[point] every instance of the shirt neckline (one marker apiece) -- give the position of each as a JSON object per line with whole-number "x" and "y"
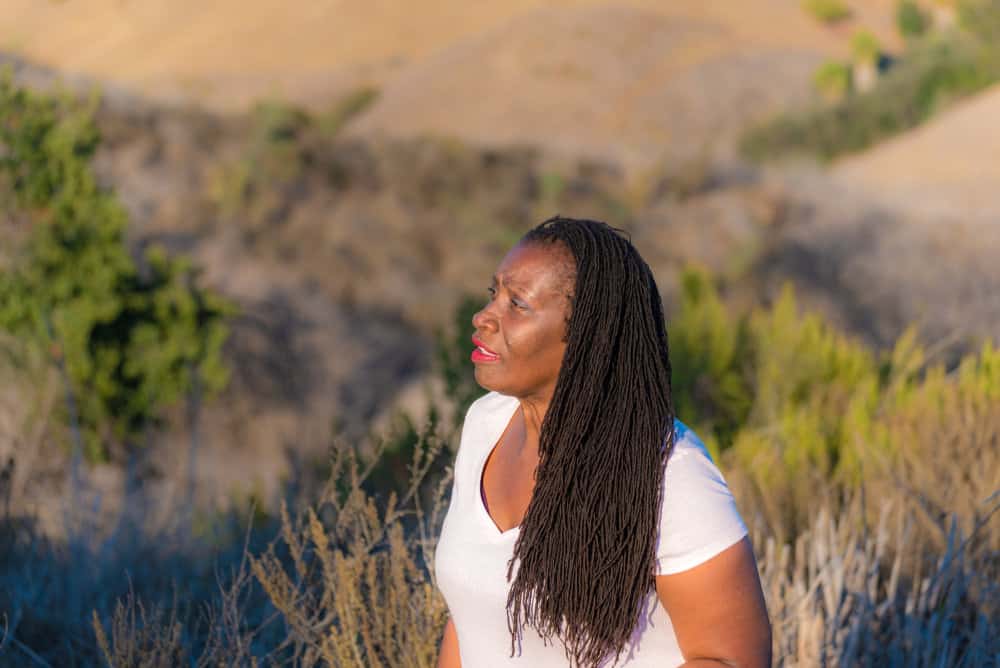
{"x": 504, "y": 419}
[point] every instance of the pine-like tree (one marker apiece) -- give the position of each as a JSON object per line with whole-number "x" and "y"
{"x": 129, "y": 342}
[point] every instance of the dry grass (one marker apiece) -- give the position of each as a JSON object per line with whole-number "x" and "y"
{"x": 356, "y": 590}
{"x": 840, "y": 596}
{"x": 866, "y": 584}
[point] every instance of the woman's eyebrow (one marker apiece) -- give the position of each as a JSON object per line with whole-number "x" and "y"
{"x": 503, "y": 280}
{"x": 506, "y": 281}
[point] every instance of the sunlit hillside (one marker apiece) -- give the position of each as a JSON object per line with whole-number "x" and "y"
{"x": 950, "y": 166}
{"x": 628, "y": 80}
{"x": 192, "y": 47}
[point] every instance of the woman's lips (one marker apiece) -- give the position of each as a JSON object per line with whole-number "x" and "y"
{"x": 481, "y": 353}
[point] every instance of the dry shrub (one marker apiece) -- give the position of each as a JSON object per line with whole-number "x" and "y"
{"x": 944, "y": 459}
{"x": 839, "y": 596}
{"x": 899, "y": 565}
{"x": 357, "y": 588}
{"x": 347, "y": 582}
{"x": 866, "y": 583}
{"x": 139, "y": 638}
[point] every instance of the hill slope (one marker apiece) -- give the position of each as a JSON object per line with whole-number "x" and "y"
{"x": 190, "y": 43}
{"x": 634, "y": 81}
{"x": 950, "y": 166}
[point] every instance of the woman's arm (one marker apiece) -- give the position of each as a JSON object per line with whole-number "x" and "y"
{"x": 448, "y": 657}
{"x": 718, "y": 612}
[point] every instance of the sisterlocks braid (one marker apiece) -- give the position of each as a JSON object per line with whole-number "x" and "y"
{"x": 584, "y": 559}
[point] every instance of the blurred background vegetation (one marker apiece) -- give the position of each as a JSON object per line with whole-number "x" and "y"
{"x": 236, "y": 292}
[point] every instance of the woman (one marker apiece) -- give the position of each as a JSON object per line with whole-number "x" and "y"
{"x": 586, "y": 525}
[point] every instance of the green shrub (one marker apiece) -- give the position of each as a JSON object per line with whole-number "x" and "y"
{"x": 272, "y": 158}
{"x": 802, "y": 413}
{"x": 277, "y": 121}
{"x": 865, "y": 47}
{"x": 833, "y": 80}
{"x": 128, "y": 340}
{"x": 282, "y": 148}
{"x": 827, "y": 11}
{"x": 911, "y": 21}
{"x": 709, "y": 353}
{"x": 345, "y": 109}
{"x": 931, "y": 74}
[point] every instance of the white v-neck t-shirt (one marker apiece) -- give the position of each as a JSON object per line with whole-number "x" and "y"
{"x": 698, "y": 520}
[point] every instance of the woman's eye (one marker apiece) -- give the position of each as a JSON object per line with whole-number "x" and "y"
{"x": 492, "y": 292}
{"x": 517, "y": 303}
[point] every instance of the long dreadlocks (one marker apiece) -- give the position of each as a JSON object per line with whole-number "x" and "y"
{"x": 585, "y": 553}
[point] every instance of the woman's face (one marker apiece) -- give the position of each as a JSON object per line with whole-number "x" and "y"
{"x": 520, "y": 333}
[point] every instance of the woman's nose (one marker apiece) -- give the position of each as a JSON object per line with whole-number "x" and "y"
{"x": 482, "y": 318}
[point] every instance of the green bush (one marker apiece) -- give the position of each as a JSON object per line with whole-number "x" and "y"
{"x": 799, "y": 410}
{"x": 911, "y": 21}
{"x": 276, "y": 121}
{"x": 709, "y": 353}
{"x": 865, "y": 47}
{"x": 345, "y": 109}
{"x": 827, "y": 11}
{"x": 931, "y": 74}
{"x": 128, "y": 340}
{"x": 833, "y": 80}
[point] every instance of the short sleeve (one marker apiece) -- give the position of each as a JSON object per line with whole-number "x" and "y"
{"x": 698, "y": 518}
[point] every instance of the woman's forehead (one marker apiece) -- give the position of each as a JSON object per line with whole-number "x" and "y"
{"x": 533, "y": 264}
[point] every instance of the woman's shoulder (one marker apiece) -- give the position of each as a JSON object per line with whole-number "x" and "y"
{"x": 698, "y": 516}
{"x": 489, "y": 405}
{"x": 687, "y": 441}
{"x": 487, "y": 414}
{"x": 483, "y": 424}
{"x": 690, "y": 462}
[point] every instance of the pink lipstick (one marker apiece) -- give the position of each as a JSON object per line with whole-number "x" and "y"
{"x": 481, "y": 353}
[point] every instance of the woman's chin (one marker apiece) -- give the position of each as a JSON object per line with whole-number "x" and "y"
{"x": 487, "y": 380}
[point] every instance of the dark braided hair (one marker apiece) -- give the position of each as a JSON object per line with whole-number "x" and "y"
{"x": 585, "y": 554}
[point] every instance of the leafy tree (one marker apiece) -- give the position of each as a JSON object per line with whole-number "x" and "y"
{"x": 130, "y": 340}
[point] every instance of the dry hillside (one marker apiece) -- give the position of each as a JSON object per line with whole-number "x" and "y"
{"x": 194, "y": 48}
{"x": 634, "y": 80}
{"x": 949, "y": 167}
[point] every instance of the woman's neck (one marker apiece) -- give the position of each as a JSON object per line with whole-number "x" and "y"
{"x": 533, "y": 414}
